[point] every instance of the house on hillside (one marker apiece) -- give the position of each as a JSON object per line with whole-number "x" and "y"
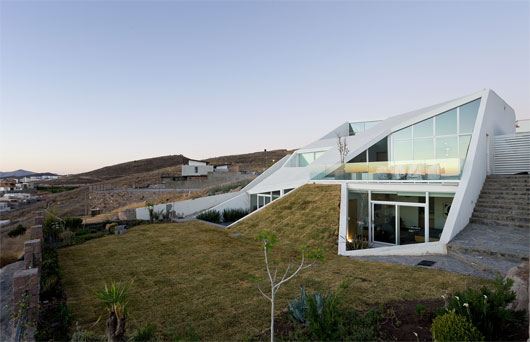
{"x": 409, "y": 182}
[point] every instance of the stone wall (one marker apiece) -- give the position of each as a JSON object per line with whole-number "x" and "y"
{"x": 26, "y": 282}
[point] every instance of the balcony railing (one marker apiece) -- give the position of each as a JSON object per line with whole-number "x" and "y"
{"x": 403, "y": 170}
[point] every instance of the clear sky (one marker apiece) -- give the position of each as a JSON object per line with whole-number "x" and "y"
{"x": 89, "y": 84}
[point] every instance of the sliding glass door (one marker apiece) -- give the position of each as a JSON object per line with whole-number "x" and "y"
{"x": 384, "y": 223}
{"x": 398, "y": 223}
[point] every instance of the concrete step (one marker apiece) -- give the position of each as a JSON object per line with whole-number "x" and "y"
{"x": 485, "y": 204}
{"x": 478, "y": 250}
{"x": 502, "y": 223}
{"x": 502, "y": 216}
{"x": 520, "y": 211}
{"x": 506, "y": 197}
{"x": 508, "y": 192}
{"x": 492, "y": 265}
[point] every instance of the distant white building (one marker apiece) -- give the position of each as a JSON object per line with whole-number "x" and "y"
{"x": 196, "y": 168}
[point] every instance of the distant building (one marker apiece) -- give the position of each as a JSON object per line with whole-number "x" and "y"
{"x": 196, "y": 168}
{"x": 8, "y": 185}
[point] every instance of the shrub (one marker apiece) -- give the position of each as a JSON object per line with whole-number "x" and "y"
{"x": 73, "y": 223}
{"x": 419, "y": 309}
{"x": 210, "y": 216}
{"x": 145, "y": 334}
{"x": 50, "y": 274}
{"x": 454, "y": 327}
{"x": 325, "y": 318}
{"x": 357, "y": 243}
{"x": 232, "y": 215}
{"x": 486, "y": 308}
{"x": 19, "y": 230}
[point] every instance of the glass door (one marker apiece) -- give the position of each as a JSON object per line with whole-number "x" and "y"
{"x": 384, "y": 223}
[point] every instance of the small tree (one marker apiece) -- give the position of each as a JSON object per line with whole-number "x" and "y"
{"x": 268, "y": 239}
{"x": 115, "y": 299}
{"x": 342, "y": 145}
{"x": 150, "y": 206}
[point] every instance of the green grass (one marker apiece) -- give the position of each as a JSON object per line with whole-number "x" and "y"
{"x": 309, "y": 215}
{"x": 195, "y": 276}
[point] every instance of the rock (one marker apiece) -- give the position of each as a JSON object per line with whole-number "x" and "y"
{"x": 519, "y": 274}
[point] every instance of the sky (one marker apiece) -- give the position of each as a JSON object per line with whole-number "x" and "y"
{"x": 86, "y": 84}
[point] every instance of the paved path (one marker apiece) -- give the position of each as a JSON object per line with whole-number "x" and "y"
{"x": 478, "y": 250}
{"x": 442, "y": 262}
{"x": 6, "y": 300}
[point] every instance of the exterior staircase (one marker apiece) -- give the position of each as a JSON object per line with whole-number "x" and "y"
{"x": 498, "y": 235}
{"x": 504, "y": 201}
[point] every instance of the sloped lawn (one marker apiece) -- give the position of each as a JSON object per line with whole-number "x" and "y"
{"x": 193, "y": 276}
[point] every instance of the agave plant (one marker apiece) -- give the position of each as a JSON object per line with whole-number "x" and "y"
{"x": 115, "y": 299}
{"x": 299, "y": 308}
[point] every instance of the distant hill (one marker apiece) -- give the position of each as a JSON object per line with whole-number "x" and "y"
{"x": 142, "y": 172}
{"x": 16, "y": 174}
{"x": 256, "y": 161}
{"x": 108, "y": 173}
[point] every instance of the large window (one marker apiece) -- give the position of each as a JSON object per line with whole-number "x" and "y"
{"x": 443, "y": 137}
{"x": 305, "y": 159}
{"x": 376, "y": 152}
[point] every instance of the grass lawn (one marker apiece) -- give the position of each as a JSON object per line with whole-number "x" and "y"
{"x": 197, "y": 275}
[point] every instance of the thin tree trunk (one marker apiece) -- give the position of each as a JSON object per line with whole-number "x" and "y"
{"x": 272, "y": 316}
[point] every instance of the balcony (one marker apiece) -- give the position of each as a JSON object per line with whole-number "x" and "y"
{"x": 432, "y": 170}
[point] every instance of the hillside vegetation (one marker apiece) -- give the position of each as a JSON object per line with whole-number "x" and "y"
{"x": 308, "y": 215}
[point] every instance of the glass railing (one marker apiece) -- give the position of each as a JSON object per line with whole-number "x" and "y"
{"x": 408, "y": 170}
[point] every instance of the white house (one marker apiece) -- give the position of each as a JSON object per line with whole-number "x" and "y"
{"x": 408, "y": 184}
{"x": 196, "y": 168}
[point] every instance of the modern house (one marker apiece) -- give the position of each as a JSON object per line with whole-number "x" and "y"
{"x": 409, "y": 183}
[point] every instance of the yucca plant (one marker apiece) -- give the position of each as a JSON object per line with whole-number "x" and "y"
{"x": 115, "y": 299}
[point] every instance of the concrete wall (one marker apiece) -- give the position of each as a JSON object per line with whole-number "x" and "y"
{"x": 187, "y": 207}
{"x": 495, "y": 117}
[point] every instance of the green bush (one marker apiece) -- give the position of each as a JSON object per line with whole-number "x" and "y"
{"x": 454, "y": 327}
{"x": 145, "y": 334}
{"x": 486, "y": 308}
{"x": 73, "y": 223}
{"x": 19, "y": 230}
{"x": 325, "y": 318}
{"x": 232, "y": 215}
{"x": 210, "y": 216}
{"x": 50, "y": 274}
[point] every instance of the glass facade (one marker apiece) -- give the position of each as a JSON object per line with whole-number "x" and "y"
{"x": 397, "y": 218}
{"x": 358, "y": 216}
{"x": 432, "y": 149}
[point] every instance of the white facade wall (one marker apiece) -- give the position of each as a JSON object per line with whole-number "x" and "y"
{"x": 495, "y": 117}
{"x": 188, "y": 207}
{"x": 241, "y": 201}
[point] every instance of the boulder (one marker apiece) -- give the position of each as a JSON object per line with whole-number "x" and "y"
{"x": 519, "y": 274}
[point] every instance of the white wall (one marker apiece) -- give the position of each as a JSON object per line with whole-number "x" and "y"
{"x": 202, "y": 170}
{"x": 241, "y": 201}
{"x": 495, "y": 117}
{"x": 187, "y": 207}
